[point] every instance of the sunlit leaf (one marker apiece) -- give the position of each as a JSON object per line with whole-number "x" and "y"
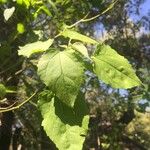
{"x": 20, "y": 28}
{"x": 63, "y": 72}
{"x": 114, "y": 69}
{"x": 24, "y": 2}
{"x": 42, "y": 8}
{"x": 80, "y": 48}
{"x": 46, "y": 10}
{"x": 19, "y": 2}
{"x": 8, "y": 13}
{"x": 3, "y": 1}
{"x": 35, "y": 47}
{"x": 77, "y": 36}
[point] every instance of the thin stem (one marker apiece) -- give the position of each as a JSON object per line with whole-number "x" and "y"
{"x": 81, "y": 20}
{"x": 8, "y": 106}
{"x": 56, "y": 36}
{"x": 34, "y": 104}
{"x": 106, "y": 10}
{"x": 16, "y": 107}
{"x": 17, "y": 73}
{"x": 90, "y": 19}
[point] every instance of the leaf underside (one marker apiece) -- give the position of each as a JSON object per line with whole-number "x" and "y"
{"x": 63, "y": 73}
{"x": 35, "y": 47}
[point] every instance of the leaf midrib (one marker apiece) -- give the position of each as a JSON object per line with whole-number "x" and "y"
{"x": 116, "y": 69}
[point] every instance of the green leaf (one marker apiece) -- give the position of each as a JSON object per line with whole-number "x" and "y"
{"x": 46, "y": 10}
{"x": 3, "y": 1}
{"x": 19, "y": 2}
{"x": 77, "y": 36}
{"x": 80, "y": 48}
{"x": 8, "y": 13}
{"x": 20, "y": 28}
{"x": 24, "y": 2}
{"x": 63, "y": 72}
{"x": 114, "y": 69}
{"x": 2, "y": 90}
{"x": 65, "y": 126}
{"x": 35, "y": 47}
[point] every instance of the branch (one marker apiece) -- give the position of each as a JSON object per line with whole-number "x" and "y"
{"x": 16, "y": 107}
{"x": 81, "y": 20}
{"x": 17, "y": 73}
{"x": 4, "y": 108}
{"x": 98, "y": 15}
{"x": 106, "y": 10}
{"x": 130, "y": 141}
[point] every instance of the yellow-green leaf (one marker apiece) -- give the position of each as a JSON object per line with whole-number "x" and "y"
{"x": 77, "y": 36}
{"x": 65, "y": 126}
{"x": 63, "y": 72}
{"x": 114, "y": 69}
{"x": 80, "y": 48}
{"x": 20, "y": 28}
{"x": 35, "y": 47}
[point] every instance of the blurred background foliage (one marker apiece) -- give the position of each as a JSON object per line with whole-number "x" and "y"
{"x": 119, "y": 119}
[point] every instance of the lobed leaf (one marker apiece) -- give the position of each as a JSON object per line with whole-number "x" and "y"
{"x": 63, "y": 72}
{"x": 35, "y": 47}
{"x": 114, "y": 69}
